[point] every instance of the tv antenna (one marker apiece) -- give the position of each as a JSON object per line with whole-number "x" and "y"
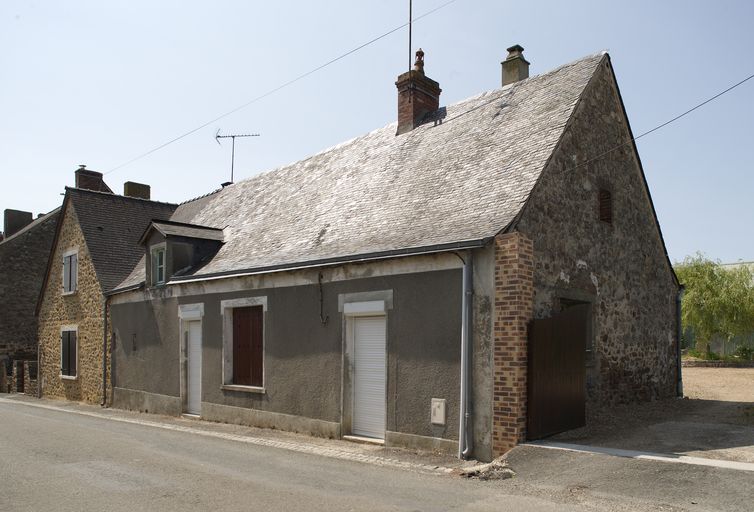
{"x": 233, "y": 153}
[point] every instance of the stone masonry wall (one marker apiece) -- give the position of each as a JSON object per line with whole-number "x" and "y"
{"x": 23, "y": 260}
{"x": 84, "y": 309}
{"x": 621, "y": 269}
{"x": 514, "y": 295}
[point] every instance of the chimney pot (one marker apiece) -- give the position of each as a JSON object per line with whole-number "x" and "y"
{"x": 138, "y": 190}
{"x": 515, "y": 66}
{"x": 418, "y": 95}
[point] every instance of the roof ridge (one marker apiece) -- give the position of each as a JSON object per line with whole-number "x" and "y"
{"x": 30, "y": 225}
{"x": 204, "y": 195}
{"x": 393, "y": 123}
{"x": 108, "y": 194}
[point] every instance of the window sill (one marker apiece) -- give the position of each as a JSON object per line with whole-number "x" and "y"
{"x": 65, "y": 294}
{"x": 245, "y": 389}
{"x": 69, "y": 377}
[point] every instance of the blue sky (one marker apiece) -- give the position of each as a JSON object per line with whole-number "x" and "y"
{"x": 98, "y": 83}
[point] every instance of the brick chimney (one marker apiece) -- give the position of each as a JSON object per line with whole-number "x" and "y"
{"x": 139, "y": 190}
{"x": 515, "y": 66}
{"x": 15, "y": 220}
{"x": 417, "y": 96}
{"x": 91, "y": 180}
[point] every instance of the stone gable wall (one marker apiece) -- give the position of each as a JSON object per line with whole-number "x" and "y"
{"x": 83, "y": 308}
{"x": 621, "y": 269}
{"x": 23, "y": 260}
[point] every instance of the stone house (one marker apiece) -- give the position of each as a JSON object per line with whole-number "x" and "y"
{"x": 24, "y": 250}
{"x": 466, "y": 278}
{"x": 94, "y": 248}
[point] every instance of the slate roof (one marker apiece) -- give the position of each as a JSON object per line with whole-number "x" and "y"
{"x": 168, "y": 228}
{"x": 458, "y": 179}
{"x": 112, "y": 226}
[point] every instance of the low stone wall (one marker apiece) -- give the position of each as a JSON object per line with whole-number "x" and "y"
{"x": 717, "y": 364}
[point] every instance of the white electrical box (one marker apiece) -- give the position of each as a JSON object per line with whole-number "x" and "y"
{"x": 438, "y": 411}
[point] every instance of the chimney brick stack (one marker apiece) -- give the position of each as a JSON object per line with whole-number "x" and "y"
{"x": 515, "y": 66}
{"x": 418, "y": 95}
{"x": 139, "y": 190}
{"x": 91, "y": 180}
{"x": 15, "y": 220}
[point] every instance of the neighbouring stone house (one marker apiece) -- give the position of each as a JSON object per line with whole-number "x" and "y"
{"x": 463, "y": 279}
{"x": 24, "y": 250}
{"x": 94, "y": 248}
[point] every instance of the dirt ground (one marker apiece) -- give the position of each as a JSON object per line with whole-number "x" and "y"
{"x": 714, "y": 420}
{"x": 726, "y": 384}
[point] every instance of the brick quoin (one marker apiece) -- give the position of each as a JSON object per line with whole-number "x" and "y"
{"x": 514, "y": 303}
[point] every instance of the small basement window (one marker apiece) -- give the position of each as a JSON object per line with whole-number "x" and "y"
{"x": 606, "y": 206}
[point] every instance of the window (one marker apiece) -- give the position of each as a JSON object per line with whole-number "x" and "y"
{"x": 68, "y": 351}
{"x": 70, "y": 271}
{"x": 243, "y": 343}
{"x": 158, "y": 265}
{"x": 606, "y": 206}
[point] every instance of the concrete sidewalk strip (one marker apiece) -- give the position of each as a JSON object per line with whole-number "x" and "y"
{"x": 255, "y": 440}
{"x": 678, "y": 459}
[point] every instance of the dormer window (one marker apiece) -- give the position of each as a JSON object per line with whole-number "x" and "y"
{"x": 158, "y": 265}
{"x": 174, "y": 249}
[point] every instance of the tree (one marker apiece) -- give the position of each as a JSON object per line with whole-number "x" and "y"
{"x": 718, "y": 301}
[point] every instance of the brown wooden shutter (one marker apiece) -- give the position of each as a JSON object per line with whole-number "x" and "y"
{"x": 64, "y": 342}
{"x": 242, "y": 346}
{"x": 257, "y": 345}
{"x": 72, "y": 353}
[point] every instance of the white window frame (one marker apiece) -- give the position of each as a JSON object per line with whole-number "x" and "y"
{"x": 226, "y": 310}
{"x": 152, "y": 267}
{"x": 73, "y": 283}
{"x": 69, "y": 328}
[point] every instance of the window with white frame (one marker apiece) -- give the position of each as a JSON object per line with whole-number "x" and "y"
{"x": 69, "y": 352}
{"x": 243, "y": 342}
{"x": 70, "y": 271}
{"x": 158, "y": 265}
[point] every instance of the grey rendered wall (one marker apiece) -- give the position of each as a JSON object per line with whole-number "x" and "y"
{"x": 303, "y": 358}
{"x": 146, "y": 350}
{"x": 621, "y": 269}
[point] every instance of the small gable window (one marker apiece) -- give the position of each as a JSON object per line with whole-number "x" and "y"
{"x": 158, "y": 265}
{"x": 68, "y": 351}
{"x": 606, "y": 206}
{"x": 70, "y": 271}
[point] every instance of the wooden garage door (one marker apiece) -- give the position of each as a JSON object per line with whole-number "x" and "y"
{"x": 556, "y": 390}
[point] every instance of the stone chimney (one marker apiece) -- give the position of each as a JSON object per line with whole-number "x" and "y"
{"x": 139, "y": 190}
{"x": 15, "y": 220}
{"x": 91, "y": 180}
{"x": 417, "y": 96}
{"x": 515, "y": 66}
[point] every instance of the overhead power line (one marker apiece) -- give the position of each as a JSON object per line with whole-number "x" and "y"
{"x": 279, "y": 87}
{"x": 666, "y": 123}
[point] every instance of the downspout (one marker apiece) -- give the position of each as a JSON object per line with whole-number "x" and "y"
{"x": 465, "y": 432}
{"x": 679, "y": 333}
{"x": 104, "y": 352}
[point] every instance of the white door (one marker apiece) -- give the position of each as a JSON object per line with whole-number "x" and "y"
{"x": 369, "y": 377}
{"x": 194, "y": 367}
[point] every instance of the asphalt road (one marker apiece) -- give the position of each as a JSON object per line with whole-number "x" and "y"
{"x": 52, "y": 460}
